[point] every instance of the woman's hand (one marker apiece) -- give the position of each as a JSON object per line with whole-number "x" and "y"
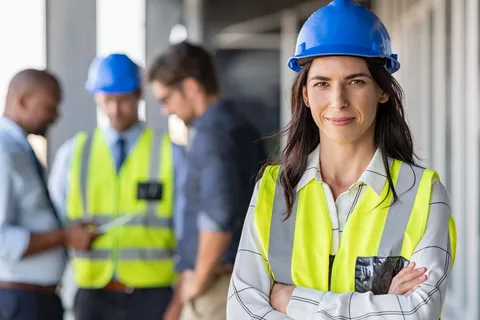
{"x": 280, "y": 296}
{"x": 407, "y": 280}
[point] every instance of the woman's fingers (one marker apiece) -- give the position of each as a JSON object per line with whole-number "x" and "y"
{"x": 405, "y": 270}
{"x": 412, "y": 284}
{"x": 407, "y": 280}
{"x": 411, "y": 275}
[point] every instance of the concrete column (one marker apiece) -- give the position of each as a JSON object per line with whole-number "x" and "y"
{"x": 161, "y": 16}
{"x": 472, "y": 158}
{"x": 71, "y": 34}
{"x": 424, "y": 113}
{"x": 439, "y": 77}
{"x": 193, "y": 15}
{"x": 458, "y": 150}
{"x": 70, "y": 49}
{"x": 289, "y": 31}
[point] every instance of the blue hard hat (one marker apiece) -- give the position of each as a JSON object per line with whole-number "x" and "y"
{"x": 343, "y": 28}
{"x": 113, "y": 74}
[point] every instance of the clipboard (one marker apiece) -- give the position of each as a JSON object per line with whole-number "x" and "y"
{"x": 114, "y": 223}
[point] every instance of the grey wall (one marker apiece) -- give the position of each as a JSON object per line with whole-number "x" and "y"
{"x": 71, "y": 46}
{"x": 252, "y": 79}
{"x": 161, "y": 16}
{"x": 222, "y": 13}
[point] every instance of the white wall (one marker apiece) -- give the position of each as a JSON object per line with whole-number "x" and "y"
{"x": 22, "y": 34}
{"x": 23, "y": 48}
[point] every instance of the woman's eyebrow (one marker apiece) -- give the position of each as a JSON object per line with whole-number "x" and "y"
{"x": 357, "y": 75}
{"x": 349, "y": 77}
{"x": 322, "y": 78}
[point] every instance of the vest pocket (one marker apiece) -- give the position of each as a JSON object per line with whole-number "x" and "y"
{"x": 375, "y": 274}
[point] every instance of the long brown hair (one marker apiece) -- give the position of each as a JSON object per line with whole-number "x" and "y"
{"x": 392, "y": 134}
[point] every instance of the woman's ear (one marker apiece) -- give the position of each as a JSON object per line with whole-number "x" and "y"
{"x": 384, "y": 97}
{"x": 305, "y": 96}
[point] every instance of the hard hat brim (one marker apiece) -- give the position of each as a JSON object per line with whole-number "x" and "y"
{"x": 110, "y": 91}
{"x": 296, "y": 62}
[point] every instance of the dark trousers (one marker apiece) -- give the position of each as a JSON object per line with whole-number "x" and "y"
{"x": 144, "y": 304}
{"x": 17, "y": 304}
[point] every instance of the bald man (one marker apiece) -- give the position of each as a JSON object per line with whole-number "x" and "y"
{"x": 32, "y": 240}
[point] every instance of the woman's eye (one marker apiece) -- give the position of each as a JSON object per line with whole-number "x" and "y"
{"x": 321, "y": 84}
{"x": 357, "y": 82}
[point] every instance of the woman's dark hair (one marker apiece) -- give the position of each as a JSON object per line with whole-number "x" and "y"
{"x": 392, "y": 134}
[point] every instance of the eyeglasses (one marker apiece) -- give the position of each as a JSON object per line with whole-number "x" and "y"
{"x": 174, "y": 87}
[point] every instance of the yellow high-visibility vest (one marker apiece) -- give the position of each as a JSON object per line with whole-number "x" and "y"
{"x": 379, "y": 238}
{"x": 140, "y": 252}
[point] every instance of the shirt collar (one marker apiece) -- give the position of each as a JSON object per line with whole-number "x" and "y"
{"x": 130, "y": 135}
{"x": 374, "y": 176}
{"x": 15, "y": 131}
{"x": 207, "y": 115}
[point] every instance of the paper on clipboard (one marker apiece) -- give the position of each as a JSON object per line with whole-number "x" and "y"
{"x": 114, "y": 223}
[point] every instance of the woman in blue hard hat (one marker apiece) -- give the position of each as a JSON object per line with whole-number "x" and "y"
{"x": 347, "y": 226}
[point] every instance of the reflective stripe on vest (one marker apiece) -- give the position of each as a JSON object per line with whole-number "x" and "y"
{"x": 140, "y": 251}
{"x": 127, "y": 254}
{"x": 139, "y": 220}
{"x": 298, "y": 248}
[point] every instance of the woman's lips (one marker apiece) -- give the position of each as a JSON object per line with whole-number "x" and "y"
{"x": 340, "y": 122}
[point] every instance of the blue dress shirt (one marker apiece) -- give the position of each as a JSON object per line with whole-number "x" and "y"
{"x": 223, "y": 156}
{"x": 24, "y": 209}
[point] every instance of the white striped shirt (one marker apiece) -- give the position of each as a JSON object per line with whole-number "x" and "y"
{"x": 249, "y": 291}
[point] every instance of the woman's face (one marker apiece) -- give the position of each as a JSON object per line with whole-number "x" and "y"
{"x": 343, "y": 98}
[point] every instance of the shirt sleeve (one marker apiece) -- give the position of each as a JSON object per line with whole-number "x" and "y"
{"x": 58, "y": 177}
{"x": 179, "y": 169}
{"x": 249, "y": 292}
{"x": 14, "y": 239}
{"x": 219, "y": 182}
{"x": 433, "y": 252}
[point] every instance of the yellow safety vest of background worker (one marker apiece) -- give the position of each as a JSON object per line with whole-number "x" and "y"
{"x": 336, "y": 230}
{"x": 121, "y": 179}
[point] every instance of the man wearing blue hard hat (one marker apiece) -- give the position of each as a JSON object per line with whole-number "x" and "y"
{"x": 346, "y": 225}
{"x": 118, "y": 182}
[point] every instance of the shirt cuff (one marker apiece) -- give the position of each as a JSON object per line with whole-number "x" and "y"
{"x": 304, "y": 302}
{"x": 15, "y": 243}
{"x": 206, "y": 223}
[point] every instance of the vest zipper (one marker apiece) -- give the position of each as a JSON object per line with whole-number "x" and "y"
{"x": 330, "y": 267}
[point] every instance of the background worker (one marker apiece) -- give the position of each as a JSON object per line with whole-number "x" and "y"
{"x": 347, "y": 226}
{"x": 222, "y": 159}
{"x": 124, "y": 170}
{"x": 32, "y": 259}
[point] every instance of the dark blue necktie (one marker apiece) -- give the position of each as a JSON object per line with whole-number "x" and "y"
{"x": 41, "y": 173}
{"x": 121, "y": 153}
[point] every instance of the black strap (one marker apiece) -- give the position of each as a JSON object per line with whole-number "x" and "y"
{"x": 41, "y": 174}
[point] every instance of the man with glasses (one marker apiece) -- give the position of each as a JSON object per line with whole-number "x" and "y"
{"x": 223, "y": 155}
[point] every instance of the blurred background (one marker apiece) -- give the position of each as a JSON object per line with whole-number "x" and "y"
{"x": 437, "y": 42}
